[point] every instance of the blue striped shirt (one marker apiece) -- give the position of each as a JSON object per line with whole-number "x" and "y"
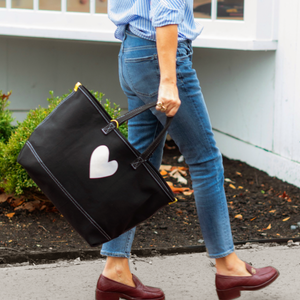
{"x": 143, "y": 16}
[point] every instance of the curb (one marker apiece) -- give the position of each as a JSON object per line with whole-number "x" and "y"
{"x": 39, "y": 257}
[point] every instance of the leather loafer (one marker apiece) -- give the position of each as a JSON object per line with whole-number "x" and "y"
{"x": 230, "y": 287}
{"x": 108, "y": 289}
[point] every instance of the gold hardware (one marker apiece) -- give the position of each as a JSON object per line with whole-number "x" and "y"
{"x": 117, "y": 123}
{"x": 253, "y": 271}
{"x": 173, "y": 201}
{"x": 77, "y": 85}
{"x": 162, "y": 109}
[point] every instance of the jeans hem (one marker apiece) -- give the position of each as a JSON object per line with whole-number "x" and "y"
{"x": 115, "y": 254}
{"x": 220, "y": 255}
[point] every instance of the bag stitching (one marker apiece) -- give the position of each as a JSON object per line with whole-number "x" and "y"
{"x": 65, "y": 191}
{"x": 97, "y": 108}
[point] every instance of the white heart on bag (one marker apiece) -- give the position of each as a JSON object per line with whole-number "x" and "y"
{"x": 100, "y": 166}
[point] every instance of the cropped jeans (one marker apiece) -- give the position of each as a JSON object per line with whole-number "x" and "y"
{"x": 190, "y": 129}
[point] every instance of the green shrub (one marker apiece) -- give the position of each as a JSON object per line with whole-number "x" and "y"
{"x": 13, "y": 177}
{"x": 5, "y": 118}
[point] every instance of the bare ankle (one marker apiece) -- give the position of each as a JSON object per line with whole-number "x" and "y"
{"x": 231, "y": 265}
{"x": 117, "y": 269}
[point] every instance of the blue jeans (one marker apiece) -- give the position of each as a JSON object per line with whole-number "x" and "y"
{"x": 191, "y": 131}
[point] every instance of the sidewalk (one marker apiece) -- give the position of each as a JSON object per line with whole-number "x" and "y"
{"x": 182, "y": 277}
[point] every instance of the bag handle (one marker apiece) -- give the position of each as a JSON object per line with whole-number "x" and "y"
{"x": 148, "y": 152}
{"x": 114, "y": 124}
{"x": 122, "y": 119}
{"x": 135, "y": 112}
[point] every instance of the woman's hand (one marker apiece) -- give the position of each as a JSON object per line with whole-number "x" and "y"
{"x": 168, "y": 99}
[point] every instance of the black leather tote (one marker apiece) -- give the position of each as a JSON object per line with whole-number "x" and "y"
{"x": 100, "y": 183}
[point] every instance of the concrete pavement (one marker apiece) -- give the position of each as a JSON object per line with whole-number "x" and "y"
{"x": 182, "y": 277}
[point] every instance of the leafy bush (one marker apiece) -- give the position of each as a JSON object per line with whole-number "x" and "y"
{"x": 5, "y": 118}
{"x": 13, "y": 177}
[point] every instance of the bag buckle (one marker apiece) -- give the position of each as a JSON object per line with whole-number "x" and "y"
{"x": 114, "y": 124}
{"x": 137, "y": 162}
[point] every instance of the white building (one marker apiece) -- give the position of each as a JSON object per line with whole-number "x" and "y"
{"x": 247, "y": 59}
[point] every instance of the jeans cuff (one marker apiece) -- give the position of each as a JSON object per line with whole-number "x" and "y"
{"x": 220, "y": 255}
{"x": 115, "y": 254}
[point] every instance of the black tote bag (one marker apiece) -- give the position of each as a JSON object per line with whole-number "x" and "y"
{"x": 100, "y": 183}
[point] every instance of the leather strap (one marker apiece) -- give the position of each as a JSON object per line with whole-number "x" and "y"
{"x": 122, "y": 119}
{"x": 149, "y": 151}
{"x": 135, "y": 112}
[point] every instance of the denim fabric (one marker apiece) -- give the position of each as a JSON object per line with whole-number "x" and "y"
{"x": 190, "y": 129}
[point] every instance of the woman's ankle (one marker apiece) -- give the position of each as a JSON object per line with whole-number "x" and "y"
{"x": 117, "y": 269}
{"x": 231, "y": 265}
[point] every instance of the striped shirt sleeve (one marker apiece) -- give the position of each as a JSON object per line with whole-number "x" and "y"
{"x": 166, "y": 12}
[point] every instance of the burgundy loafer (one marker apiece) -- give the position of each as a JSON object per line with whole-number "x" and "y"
{"x": 108, "y": 289}
{"x": 230, "y": 287}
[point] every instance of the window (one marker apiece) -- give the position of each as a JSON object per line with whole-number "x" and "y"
{"x": 237, "y": 24}
{"x": 55, "y": 5}
{"x": 225, "y": 9}
{"x": 202, "y": 9}
{"x": 27, "y": 4}
{"x": 50, "y": 5}
{"x": 230, "y": 9}
{"x": 78, "y": 5}
{"x": 229, "y": 24}
{"x": 101, "y": 6}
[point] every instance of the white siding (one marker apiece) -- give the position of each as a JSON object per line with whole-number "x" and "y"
{"x": 35, "y": 66}
{"x": 267, "y": 131}
{"x": 239, "y": 90}
{"x": 287, "y": 99}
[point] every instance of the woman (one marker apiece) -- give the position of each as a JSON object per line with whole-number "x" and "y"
{"x": 155, "y": 63}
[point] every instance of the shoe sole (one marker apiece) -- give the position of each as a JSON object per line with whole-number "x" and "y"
{"x": 236, "y": 292}
{"x": 100, "y": 295}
